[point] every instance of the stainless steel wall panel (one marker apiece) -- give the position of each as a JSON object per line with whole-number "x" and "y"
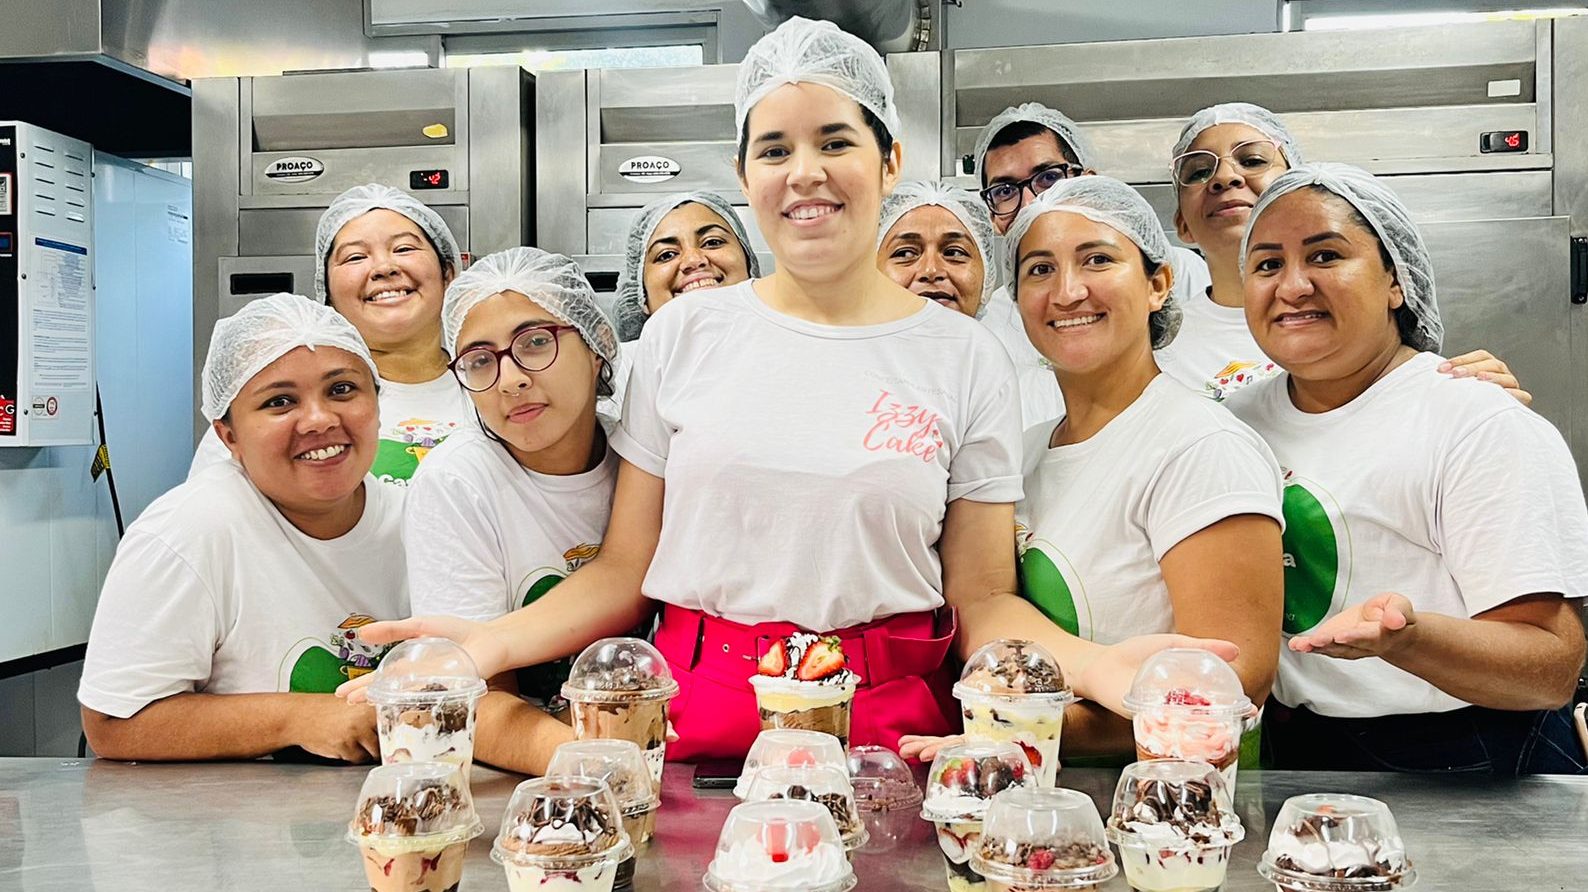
{"x": 345, "y": 168}
{"x": 560, "y": 153}
{"x": 270, "y": 232}
{"x": 217, "y": 153}
{"x": 500, "y": 163}
{"x": 609, "y": 228}
{"x": 1570, "y": 119}
{"x": 704, "y": 165}
{"x": 917, "y": 89}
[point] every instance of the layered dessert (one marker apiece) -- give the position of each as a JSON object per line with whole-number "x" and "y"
{"x": 413, "y": 827}
{"x": 1043, "y": 838}
{"x": 424, "y": 694}
{"x": 790, "y": 747}
{"x": 619, "y": 688}
{"x": 1324, "y": 842}
{"x": 562, "y": 834}
{"x": 621, "y": 766}
{"x": 1189, "y": 704}
{"x": 1013, "y": 690}
{"x": 779, "y": 845}
{"x": 961, "y": 782}
{"x": 1040, "y": 866}
{"x": 1174, "y": 826}
{"x": 803, "y": 682}
{"x": 826, "y": 786}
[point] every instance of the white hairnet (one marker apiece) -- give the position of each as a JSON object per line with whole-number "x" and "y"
{"x": 551, "y": 280}
{"x": 1068, "y": 132}
{"x": 964, "y": 205}
{"x": 630, "y": 306}
{"x": 360, "y": 200}
{"x": 1254, "y": 116}
{"x": 1418, "y": 318}
{"x": 1114, "y": 204}
{"x": 803, "y": 51}
{"x": 262, "y": 332}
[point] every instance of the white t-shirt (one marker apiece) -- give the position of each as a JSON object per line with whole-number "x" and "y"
{"x": 1215, "y": 353}
{"x": 1099, "y": 515}
{"x": 1445, "y": 490}
{"x": 414, "y": 419}
{"x": 213, "y": 590}
{"x": 808, "y": 467}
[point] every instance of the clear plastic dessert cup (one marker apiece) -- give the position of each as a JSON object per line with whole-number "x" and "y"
{"x": 1014, "y": 690}
{"x": 1189, "y": 704}
{"x": 1043, "y": 838}
{"x": 1335, "y": 842}
{"x": 619, "y": 688}
{"x": 1175, "y": 824}
{"x": 562, "y": 834}
{"x": 960, "y": 785}
{"x": 806, "y": 705}
{"x": 779, "y": 845}
{"x": 886, "y": 794}
{"x": 824, "y": 785}
{"x": 424, "y": 693}
{"x": 789, "y": 746}
{"x": 412, "y": 827}
{"x": 622, "y": 766}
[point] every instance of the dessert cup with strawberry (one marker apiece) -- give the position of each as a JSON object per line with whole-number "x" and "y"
{"x": 622, "y": 766}
{"x": 779, "y": 846}
{"x": 424, "y": 693}
{"x": 791, "y": 747}
{"x": 1013, "y": 690}
{"x": 802, "y": 682}
{"x": 618, "y": 688}
{"x": 1042, "y": 838}
{"x": 412, "y": 827}
{"x": 962, "y": 781}
{"x": 1333, "y": 842}
{"x": 824, "y": 785}
{"x": 1189, "y": 704}
{"x": 1174, "y": 824}
{"x": 562, "y": 834}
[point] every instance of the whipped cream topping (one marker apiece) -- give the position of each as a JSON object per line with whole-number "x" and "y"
{"x": 747, "y": 861}
{"x": 1337, "y": 858}
{"x": 954, "y": 807}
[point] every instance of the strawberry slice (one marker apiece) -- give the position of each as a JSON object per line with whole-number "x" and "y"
{"x": 1183, "y": 697}
{"x": 824, "y": 658}
{"x": 1032, "y": 754}
{"x": 775, "y": 661}
{"x": 800, "y": 757}
{"x": 774, "y": 838}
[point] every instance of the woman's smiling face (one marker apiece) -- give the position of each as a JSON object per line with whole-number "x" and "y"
{"x": 692, "y": 249}
{"x": 929, "y": 252}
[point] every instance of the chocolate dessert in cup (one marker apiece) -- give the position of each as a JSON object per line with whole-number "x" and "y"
{"x": 802, "y": 682}
{"x": 413, "y": 825}
{"x": 1013, "y": 690}
{"x": 622, "y": 766}
{"x": 1334, "y": 842}
{"x": 885, "y": 793}
{"x": 779, "y": 845}
{"x": 424, "y": 695}
{"x": 618, "y": 688}
{"x": 1043, "y": 838}
{"x": 824, "y": 785}
{"x": 1189, "y": 704}
{"x": 562, "y": 834}
{"x": 962, "y": 781}
{"x": 789, "y": 746}
{"x": 1175, "y": 824}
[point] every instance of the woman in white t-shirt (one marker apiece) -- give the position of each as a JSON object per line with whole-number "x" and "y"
{"x": 937, "y": 241}
{"x": 1432, "y": 578}
{"x": 1147, "y": 508}
{"x": 817, "y": 450}
{"x": 383, "y": 260}
{"x": 229, "y": 613}
{"x": 506, "y": 509}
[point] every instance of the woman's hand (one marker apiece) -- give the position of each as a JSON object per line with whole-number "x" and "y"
{"x": 1106, "y": 679}
{"x": 1485, "y": 366}
{"x": 1378, "y": 627}
{"x": 914, "y": 746}
{"x": 482, "y": 642}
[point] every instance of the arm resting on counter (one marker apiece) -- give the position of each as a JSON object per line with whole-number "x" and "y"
{"x": 194, "y": 727}
{"x": 514, "y": 735}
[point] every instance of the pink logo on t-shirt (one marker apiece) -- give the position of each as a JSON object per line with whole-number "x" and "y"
{"x": 906, "y": 429}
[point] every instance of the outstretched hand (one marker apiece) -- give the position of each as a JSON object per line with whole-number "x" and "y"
{"x": 483, "y": 644}
{"x": 1377, "y": 627}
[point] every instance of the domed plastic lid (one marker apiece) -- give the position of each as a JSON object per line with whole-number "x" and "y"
{"x": 561, "y": 823}
{"x": 789, "y": 746}
{"x": 1334, "y": 842}
{"x": 425, "y": 802}
{"x": 965, "y": 776}
{"x": 779, "y": 846}
{"x": 1190, "y": 679}
{"x": 1173, "y": 804}
{"x": 619, "y": 670}
{"x": 425, "y": 670}
{"x": 823, "y": 784}
{"x": 882, "y": 780}
{"x": 1012, "y": 668}
{"x": 618, "y": 762}
{"x": 1043, "y": 838}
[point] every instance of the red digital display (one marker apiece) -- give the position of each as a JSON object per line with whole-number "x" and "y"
{"x": 1503, "y": 141}
{"x": 427, "y": 179}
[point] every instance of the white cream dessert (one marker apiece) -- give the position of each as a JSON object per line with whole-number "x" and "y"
{"x": 751, "y": 861}
{"x": 1173, "y": 836}
{"x": 1014, "y": 691}
{"x": 963, "y": 780}
{"x": 562, "y": 845}
{"x": 802, "y": 681}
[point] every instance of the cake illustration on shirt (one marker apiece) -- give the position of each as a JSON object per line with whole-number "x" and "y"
{"x": 319, "y": 667}
{"x": 1236, "y": 375}
{"x": 404, "y": 445}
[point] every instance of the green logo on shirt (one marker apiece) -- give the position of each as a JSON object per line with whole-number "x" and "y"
{"x": 1312, "y": 555}
{"x": 318, "y": 669}
{"x": 1043, "y": 584}
{"x": 404, "y": 446}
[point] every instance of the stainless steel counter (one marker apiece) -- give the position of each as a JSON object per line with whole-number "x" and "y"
{"x": 84, "y": 825}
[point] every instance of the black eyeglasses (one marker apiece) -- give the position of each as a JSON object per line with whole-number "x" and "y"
{"x": 1005, "y": 199}
{"x": 533, "y": 350}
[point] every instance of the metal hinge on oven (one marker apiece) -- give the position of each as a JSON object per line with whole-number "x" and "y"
{"x": 1579, "y": 270}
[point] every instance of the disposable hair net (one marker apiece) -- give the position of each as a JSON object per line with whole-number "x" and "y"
{"x": 1065, "y": 129}
{"x": 630, "y": 307}
{"x": 262, "y": 332}
{"x": 803, "y": 51}
{"x": 1418, "y": 318}
{"x": 1254, "y": 116}
{"x": 551, "y": 280}
{"x": 968, "y": 207}
{"x": 1114, "y": 204}
{"x": 360, "y": 200}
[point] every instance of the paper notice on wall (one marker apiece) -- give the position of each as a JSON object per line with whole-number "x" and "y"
{"x": 5, "y": 195}
{"x": 178, "y": 225}
{"x": 61, "y": 342}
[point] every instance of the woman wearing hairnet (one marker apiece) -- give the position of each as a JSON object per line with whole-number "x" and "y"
{"x": 936, "y": 240}
{"x": 679, "y": 244}
{"x": 1225, "y": 157}
{"x": 383, "y": 259}
{"x": 506, "y": 509}
{"x": 815, "y": 450}
{"x": 1432, "y": 575}
{"x": 228, "y": 614}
